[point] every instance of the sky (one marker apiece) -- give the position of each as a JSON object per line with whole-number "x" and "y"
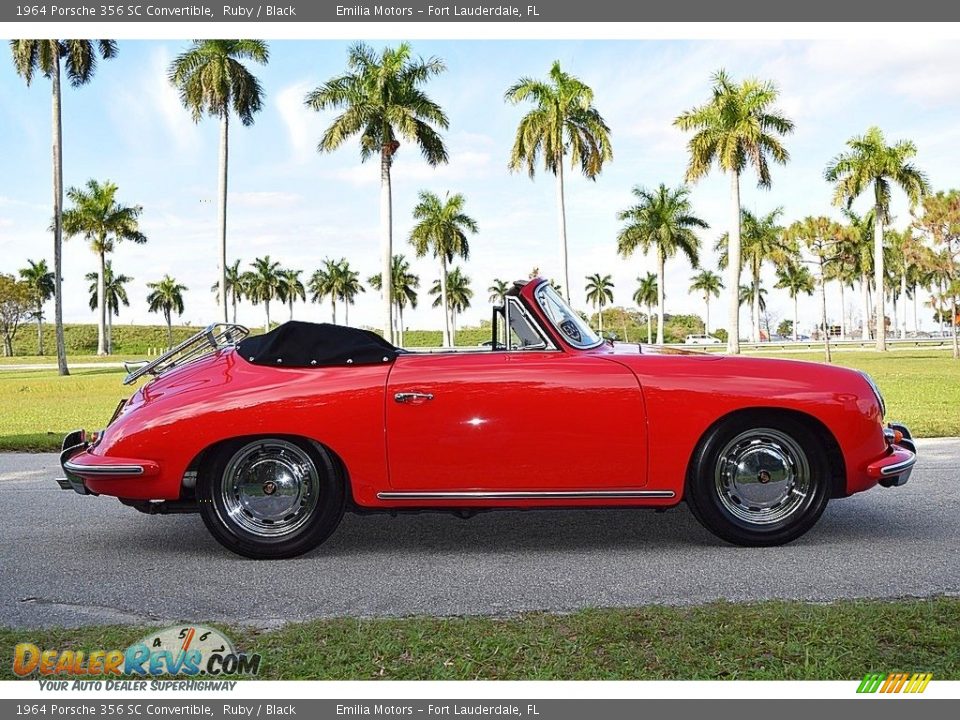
{"x": 299, "y": 206}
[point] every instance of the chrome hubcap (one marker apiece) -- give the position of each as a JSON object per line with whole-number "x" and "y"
{"x": 270, "y": 488}
{"x": 762, "y": 477}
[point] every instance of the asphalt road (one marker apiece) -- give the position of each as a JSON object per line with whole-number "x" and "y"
{"x": 71, "y": 560}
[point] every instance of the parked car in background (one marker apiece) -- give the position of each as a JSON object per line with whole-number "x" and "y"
{"x": 701, "y": 340}
{"x": 272, "y": 438}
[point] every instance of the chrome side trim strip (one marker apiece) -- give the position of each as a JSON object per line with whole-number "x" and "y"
{"x": 528, "y": 495}
{"x": 899, "y": 467}
{"x": 87, "y": 470}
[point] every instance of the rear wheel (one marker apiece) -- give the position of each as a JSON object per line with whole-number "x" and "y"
{"x": 759, "y": 480}
{"x": 270, "y": 497}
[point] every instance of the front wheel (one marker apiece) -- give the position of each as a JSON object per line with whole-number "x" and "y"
{"x": 270, "y": 497}
{"x": 759, "y": 481}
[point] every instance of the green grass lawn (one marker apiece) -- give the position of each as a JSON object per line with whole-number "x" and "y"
{"x": 922, "y": 389}
{"x": 720, "y": 641}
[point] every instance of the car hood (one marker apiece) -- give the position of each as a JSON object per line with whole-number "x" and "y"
{"x": 622, "y": 348}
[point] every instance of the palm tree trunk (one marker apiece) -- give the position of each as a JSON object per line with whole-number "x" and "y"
{"x": 222, "y": 270}
{"x": 399, "y": 337}
{"x": 916, "y": 326}
{"x": 447, "y": 339}
{"x": 266, "y": 307}
{"x": 291, "y": 308}
{"x": 878, "y": 300}
{"x": 865, "y": 296}
{"x": 649, "y": 325}
{"x": 661, "y": 267}
{"x": 600, "y": 320}
{"x": 755, "y": 310}
{"x": 109, "y": 333}
{"x": 346, "y": 313}
{"x": 903, "y": 296}
{"x": 706, "y": 322}
{"x": 233, "y": 301}
{"x": 733, "y": 267}
{"x": 169, "y": 319}
{"x": 562, "y": 220}
{"x": 843, "y": 313}
{"x": 101, "y": 303}
{"x": 40, "y": 328}
{"x": 823, "y": 313}
{"x": 939, "y": 305}
{"x": 795, "y": 317}
{"x": 58, "y": 215}
{"x": 386, "y": 242}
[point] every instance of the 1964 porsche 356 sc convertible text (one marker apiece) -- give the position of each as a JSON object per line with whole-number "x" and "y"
{"x": 271, "y": 438}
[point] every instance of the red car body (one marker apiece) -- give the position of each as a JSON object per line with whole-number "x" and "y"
{"x": 611, "y": 425}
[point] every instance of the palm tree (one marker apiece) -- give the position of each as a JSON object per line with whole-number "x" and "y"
{"x": 115, "y": 294}
{"x": 663, "y": 221}
{"x": 498, "y": 291}
{"x": 872, "y": 164}
{"x": 761, "y": 240}
{"x": 647, "y": 295}
{"x": 235, "y": 290}
{"x": 442, "y": 230}
{"x": 103, "y": 222}
{"x": 453, "y": 293}
{"x": 710, "y": 284}
{"x": 564, "y": 120}
{"x": 795, "y": 279}
{"x": 599, "y": 293}
{"x": 822, "y": 237}
{"x": 40, "y": 280}
{"x": 167, "y": 297}
{"x": 383, "y": 100}
{"x": 291, "y": 288}
{"x": 348, "y": 286}
{"x": 263, "y": 284}
{"x": 80, "y": 59}
{"x": 405, "y": 285}
{"x": 737, "y": 127}
{"x": 213, "y": 80}
{"x": 940, "y": 222}
{"x": 322, "y": 284}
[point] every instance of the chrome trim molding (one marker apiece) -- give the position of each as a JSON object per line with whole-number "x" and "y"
{"x": 527, "y": 495}
{"x": 899, "y": 467}
{"x": 103, "y": 469}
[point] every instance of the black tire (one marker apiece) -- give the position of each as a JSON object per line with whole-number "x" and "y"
{"x": 727, "y": 492}
{"x": 270, "y": 497}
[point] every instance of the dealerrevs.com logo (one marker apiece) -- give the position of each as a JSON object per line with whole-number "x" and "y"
{"x": 185, "y": 650}
{"x": 910, "y": 683}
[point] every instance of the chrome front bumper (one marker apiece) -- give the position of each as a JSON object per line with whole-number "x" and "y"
{"x": 895, "y": 468}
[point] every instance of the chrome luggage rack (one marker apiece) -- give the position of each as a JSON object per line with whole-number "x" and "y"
{"x": 218, "y": 336}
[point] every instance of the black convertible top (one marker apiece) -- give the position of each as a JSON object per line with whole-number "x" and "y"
{"x": 304, "y": 344}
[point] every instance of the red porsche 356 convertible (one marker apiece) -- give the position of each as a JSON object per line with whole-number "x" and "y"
{"x": 272, "y": 437}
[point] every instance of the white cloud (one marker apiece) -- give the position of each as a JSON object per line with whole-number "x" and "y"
{"x": 301, "y": 122}
{"x": 166, "y": 102}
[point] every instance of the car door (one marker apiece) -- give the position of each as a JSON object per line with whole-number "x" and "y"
{"x": 525, "y": 420}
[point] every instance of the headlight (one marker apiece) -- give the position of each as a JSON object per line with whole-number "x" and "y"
{"x": 876, "y": 391}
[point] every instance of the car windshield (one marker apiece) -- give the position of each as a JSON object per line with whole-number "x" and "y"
{"x": 570, "y": 325}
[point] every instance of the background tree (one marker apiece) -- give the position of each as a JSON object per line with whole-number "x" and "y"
{"x": 710, "y": 284}
{"x": 103, "y": 222}
{"x": 871, "y": 164}
{"x": 662, "y": 221}
{"x": 737, "y": 127}
{"x": 16, "y": 303}
{"x": 213, "y": 80}
{"x": 940, "y": 222}
{"x": 263, "y": 284}
{"x": 40, "y": 280}
{"x": 235, "y": 290}
{"x": 442, "y": 229}
{"x": 796, "y": 280}
{"x": 382, "y": 101}
{"x": 454, "y": 296}
{"x": 291, "y": 288}
{"x": 348, "y": 286}
{"x": 821, "y": 237}
{"x": 761, "y": 241}
{"x": 166, "y": 296}
{"x": 80, "y": 59}
{"x": 115, "y": 293}
{"x": 498, "y": 291}
{"x": 564, "y": 120}
{"x": 322, "y": 285}
{"x": 646, "y": 295}
{"x": 405, "y": 285}
{"x": 599, "y": 294}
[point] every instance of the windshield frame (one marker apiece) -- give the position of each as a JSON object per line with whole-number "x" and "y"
{"x": 539, "y": 295}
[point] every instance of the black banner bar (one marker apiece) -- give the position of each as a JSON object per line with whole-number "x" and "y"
{"x": 578, "y": 11}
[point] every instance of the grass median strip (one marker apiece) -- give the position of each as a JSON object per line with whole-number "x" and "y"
{"x": 719, "y": 641}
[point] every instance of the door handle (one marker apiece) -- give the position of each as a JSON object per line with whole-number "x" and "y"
{"x": 409, "y": 397}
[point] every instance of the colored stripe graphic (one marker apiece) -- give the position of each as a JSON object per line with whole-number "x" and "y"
{"x": 894, "y": 683}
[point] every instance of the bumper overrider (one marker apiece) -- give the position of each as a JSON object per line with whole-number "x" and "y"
{"x": 894, "y": 468}
{"x": 81, "y": 467}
